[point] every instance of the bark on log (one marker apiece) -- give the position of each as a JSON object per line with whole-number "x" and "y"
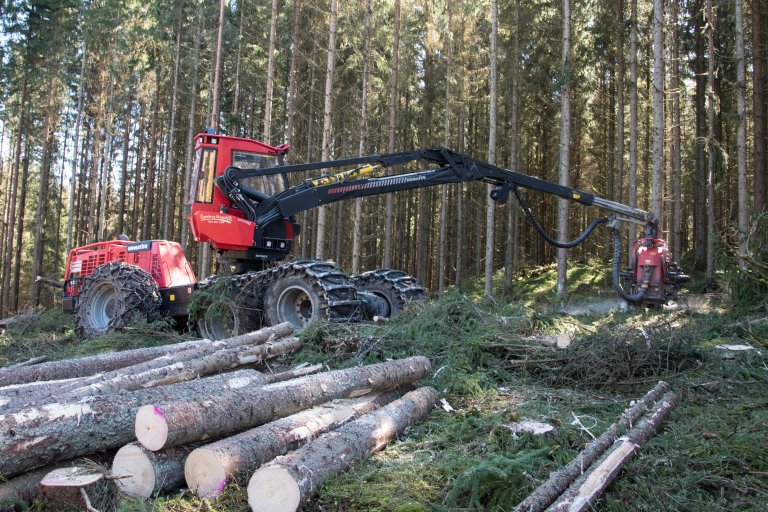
{"x": 287, "y": 482}
{"x": 19, "y": 492}
{"x": 43, "y": 395}
{"x": 38, "y": 436}
{"x": 29, "y": 362}
{"x": 210, "y": 468}
{"x": 187, "y": 370}
{"x": 192, "y": 419}
{"x": 74, "y": 488}
{"x": 142, "y": 473}
{"x": 558, "y": 481}
{"x": 294, "y": 373}
{"x": 8, "y": 393}
{"x": 86, "y": 366}
{"x": 587, "y": 488}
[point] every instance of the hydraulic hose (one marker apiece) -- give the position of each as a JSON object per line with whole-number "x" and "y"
{"x": 632, "y": 298}
{"x": 562, "y": 245}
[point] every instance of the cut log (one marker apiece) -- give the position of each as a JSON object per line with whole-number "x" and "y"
{"x": 30, "y": 362}
{"x": 142, "y": 473}
{"x": 587, "y": 488}
{"x": 294, "y": 373}
{"x": 91, "y": 365}
{"x": 44, "y": 394}
{"x": 287, "y": 482}
{"x": 544, "y": 495}
{"x": 178, "y": 372}
{"x": 8, "y": 393}
{"x": 192, "y": 419}
{"x": 37, "y": 436}
{"x": 74, "y": 488}
{"x": 210, "y": 468}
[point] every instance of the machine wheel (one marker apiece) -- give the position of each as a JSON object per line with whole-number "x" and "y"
{"x": 395, "y": 287}
{"x": 304, "y": 291}
{"x": 238, "y": 312}
{"x": 113, "y": 296}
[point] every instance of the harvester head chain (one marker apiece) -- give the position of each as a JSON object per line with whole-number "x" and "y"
{"x": 337, "y": 291}
{"x": 405, "y": 287}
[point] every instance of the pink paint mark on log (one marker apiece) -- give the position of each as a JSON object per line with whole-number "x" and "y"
{"x": 159, "y": 412}
{"x": 221, "y": 486}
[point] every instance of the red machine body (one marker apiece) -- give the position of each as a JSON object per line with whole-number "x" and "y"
{"x": 162, "y": 259}
{"x": 210, "y": 213}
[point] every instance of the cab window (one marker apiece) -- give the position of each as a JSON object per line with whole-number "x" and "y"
{"x": 272, "y": 184}
{"x": 206, "y": 170}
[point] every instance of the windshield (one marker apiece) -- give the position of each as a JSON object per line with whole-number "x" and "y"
{"x": 270, "y": 185}
{"x": 205, "y": 165}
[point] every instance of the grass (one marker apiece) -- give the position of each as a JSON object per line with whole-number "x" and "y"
{"x": 711, "y": 455}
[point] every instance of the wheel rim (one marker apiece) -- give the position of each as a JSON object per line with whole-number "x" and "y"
{"x": 295, "y": 306}
{"x": 219, "y": 323}
{"x": 105, "y": 306}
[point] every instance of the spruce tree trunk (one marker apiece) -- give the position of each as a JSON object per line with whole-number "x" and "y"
{"x": 490, "y": 206}
{"x": 741, "y": 133}
{"x": 270, "y": 74}
{"x": 442, "y": 241}
{"x": 389, "y": 212}
{"x": 190, "y": 136}
{"x": 760, "y": 125}
{"x": 676, "y": 145}
{"x": 513, "y": 221}
{"x": 709, "y": 273}
{"x": 289, "y": 481}
{"x": 168, "y": 203}
{"x": 210, "y": 468}
{"x": 618, "y": 188}
{"x": 190, "y": 419}
{"x": 327, "y": 120}
{"x": 291, "y": 100}
{"x": 633, "y": 119}
{"x": 657, "y": 193}
{"x": 76, "y": 147}
{"x": 565, "y": 140}
{"x": 357, "y": 231}
{"x": 121, "y": 210}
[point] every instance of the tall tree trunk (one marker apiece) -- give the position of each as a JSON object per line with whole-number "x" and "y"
{"x": 270, "y": 74}
{"x": 700, "y": 179}
{"x": 657, "y": 194}
{"x": 106, "y": 162}
{"x": 327, "y": 119}
{"x": 20, "y": 227}
{"x": 149, "y": 186}
{"x": 390, "y": 205}
{"x": 423, "y": 195}
{"x": 442, "y": 241}
{"x": 137, "y": 173}
{"x": 124, "y": 164}
{"x": 633, "y": 118}
{"x": 8, "y": 259}
{"x": 565, "y": 138}
{"x": 191, "y": 134}
{"x": 49, "y": 136}
{"x": 711, "y": 148}
{"x": 460, "y": 187}
{"x": 512, "y": 209}
{"x": 168, "y": 206}
{"x": 235, "y": 129}
{"x": 741, "y": 132}
{"x": 759, "y": 79}
{"x": 676, "y": 146}
{"x": 76, "y": 147}
{"x": 93, "y": 200}
{"x": 490, "y": 207}
{"x": 618, "y": 188}
{"x": 291, "y": 101}
{"x": 205, "y": 259}
{"x": 358, "y": 219}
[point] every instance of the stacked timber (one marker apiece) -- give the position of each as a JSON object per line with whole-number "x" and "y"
{"x": 195, "y": 415}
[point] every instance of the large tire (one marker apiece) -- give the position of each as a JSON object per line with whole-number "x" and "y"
{"x": 394, "y": 286}
{"x": 113, "y": 296}
{"x": 237, "y": 313}
{"x": 305, "y": 291}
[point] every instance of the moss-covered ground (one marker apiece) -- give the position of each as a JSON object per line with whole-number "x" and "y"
{"x": 489, "y": 366}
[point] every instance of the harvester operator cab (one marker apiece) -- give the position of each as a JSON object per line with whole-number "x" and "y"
{"x": 210, "y": 213}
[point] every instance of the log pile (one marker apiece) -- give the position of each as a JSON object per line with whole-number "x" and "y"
{"x": 576, "y": 486}
{"x": 193, "y": 414}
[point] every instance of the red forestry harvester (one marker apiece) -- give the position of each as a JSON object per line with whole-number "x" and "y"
{"x": 240, "y": 202}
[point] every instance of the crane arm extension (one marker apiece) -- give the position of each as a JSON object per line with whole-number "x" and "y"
{"x": 451, "y": 167}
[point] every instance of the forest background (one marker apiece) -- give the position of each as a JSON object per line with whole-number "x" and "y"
{"x": 658, "y": 104}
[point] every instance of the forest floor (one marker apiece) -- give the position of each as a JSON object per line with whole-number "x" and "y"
{"x": 492, "y": 368}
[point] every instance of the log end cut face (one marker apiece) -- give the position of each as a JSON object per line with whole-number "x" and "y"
{"x": 71, "y": 477}
{"x": 273, "y": 488}
{"x": 204, "y": 473}
{"x": 134, "y": 471}
{"x": 151, "y": 427}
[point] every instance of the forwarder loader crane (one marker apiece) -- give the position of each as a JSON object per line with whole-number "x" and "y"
{"x": 239, "y": 201}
